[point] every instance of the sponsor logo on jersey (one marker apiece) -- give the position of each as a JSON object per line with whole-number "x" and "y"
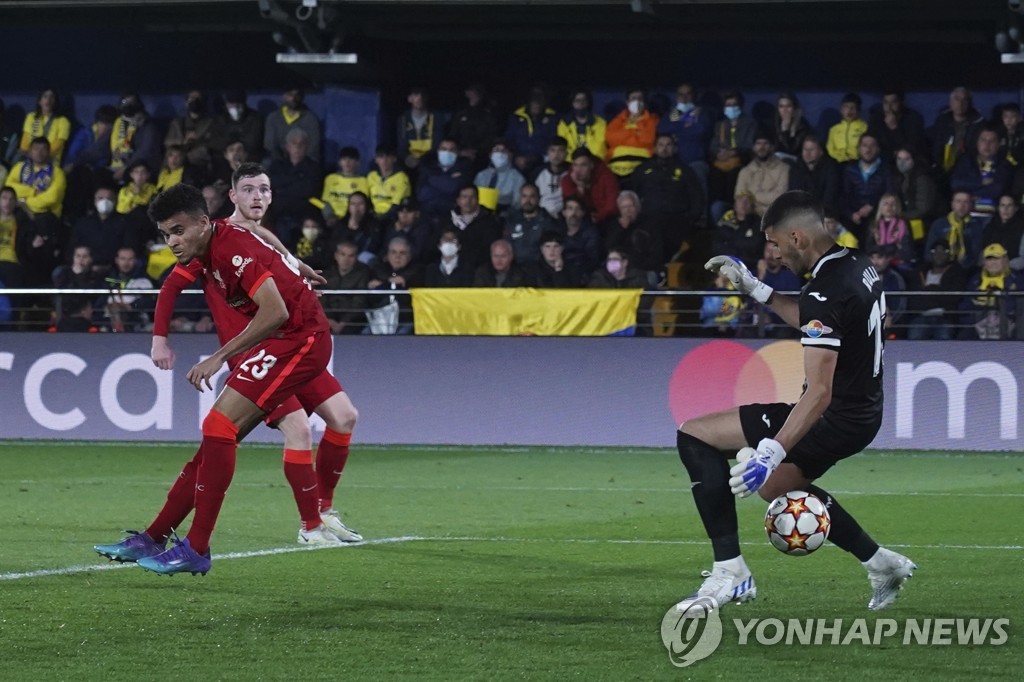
{"x": 237, "y": 260}
{"x": 818, "y": 296}
{"x": 814, "y": 329}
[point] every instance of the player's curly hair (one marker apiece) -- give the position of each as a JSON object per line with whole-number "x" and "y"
{"x": 180, "y": 198}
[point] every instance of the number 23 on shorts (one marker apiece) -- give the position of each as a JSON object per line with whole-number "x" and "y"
{"x": 258, "y": 365}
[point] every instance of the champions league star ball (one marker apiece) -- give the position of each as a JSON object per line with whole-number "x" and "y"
{"x": 797, "y": 523}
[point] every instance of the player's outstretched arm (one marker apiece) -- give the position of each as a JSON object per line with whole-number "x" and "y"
{"x": 174, "y": 284}
{"x": 746, "y": 283}
{"x": 271, "y": 313}
{"x": 741, "y": 277}
{"x": 787, "y": 308}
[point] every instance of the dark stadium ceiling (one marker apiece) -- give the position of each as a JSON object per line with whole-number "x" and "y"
{"x": 923, "y": 42}
{"x": 339, "y": 21}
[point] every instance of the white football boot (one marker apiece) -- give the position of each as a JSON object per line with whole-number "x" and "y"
{"x": 887, "y": 572}
{"x": 332, "y": 520}
{"x": 727, "y": 581}
{"x": 320, "y": 535}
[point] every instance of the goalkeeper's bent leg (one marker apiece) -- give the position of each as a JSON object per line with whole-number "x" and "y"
{"x": 709, "y": 477}
{"x": 845, "y": 532}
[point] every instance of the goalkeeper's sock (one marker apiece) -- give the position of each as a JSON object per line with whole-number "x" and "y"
{"x": 181, "y": 499}
{"x": 845, "y": 532}
{"x": 709, "y": 483}
{"x": 331, "y": 456}
{"x": 298, "y": 471}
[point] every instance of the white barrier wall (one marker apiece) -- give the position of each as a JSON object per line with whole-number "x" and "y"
{"x": 477, "y": 391}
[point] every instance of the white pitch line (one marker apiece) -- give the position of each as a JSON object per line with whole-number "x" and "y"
{"x": 114, "y": 565}
{"x": 71, "y": 570}
{"x": 556, "y": 489}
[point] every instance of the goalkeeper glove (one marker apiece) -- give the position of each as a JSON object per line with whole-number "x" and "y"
{"x": 741, "y": 277}
{"x": 753, "y": 467}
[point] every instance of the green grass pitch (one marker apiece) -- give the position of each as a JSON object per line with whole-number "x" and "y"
{"x": 503, "y": 563}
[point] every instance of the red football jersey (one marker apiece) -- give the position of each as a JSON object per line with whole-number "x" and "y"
{"x": 238, "y": 263}
{"x": 228, "y": 321}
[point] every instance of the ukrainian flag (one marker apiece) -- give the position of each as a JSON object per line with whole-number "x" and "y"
{"x": 525, "y": 312}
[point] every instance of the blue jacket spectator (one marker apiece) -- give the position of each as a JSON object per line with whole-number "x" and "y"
{"x": 864, "y": 182}
{"x": 441, "y": 176}
{"x": 690, "y": 125}
{"x": 985, "y": 175}
{"x": 530, "y": 129}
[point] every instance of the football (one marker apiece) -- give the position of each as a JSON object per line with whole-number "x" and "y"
{"x": 797, "y": 523}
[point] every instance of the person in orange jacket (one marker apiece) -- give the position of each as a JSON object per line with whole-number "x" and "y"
{"x": 630, "y": 135}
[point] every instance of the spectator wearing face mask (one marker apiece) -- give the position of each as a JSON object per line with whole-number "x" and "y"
{"x": 449, "y": 271}
{"x": 440, "y": 178}
{"x": 313, "y": 246}
{"x": 630, "y": 135}
{"x": 500, "y": 182}
{"x": 690, "y": 126}
{"x": 102, "y": 229}
{"x": 618, "y": 273}
{"x": 238, "y": 123}
{"x": 730, "y": 148}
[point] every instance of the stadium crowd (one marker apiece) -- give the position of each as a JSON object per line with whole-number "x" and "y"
{"x": 539, "y": 197}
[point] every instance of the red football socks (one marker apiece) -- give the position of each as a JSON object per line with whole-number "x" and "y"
{"x": 180, "y": 501}
{"x": 331, "y": 456}
{"x": 213, "y": 477}
{"x": 298, "y": 470}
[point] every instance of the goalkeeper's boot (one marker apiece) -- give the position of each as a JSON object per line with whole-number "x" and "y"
{"x": 727, "y": 581}
{"x": 134, "y": 547}
{"x": 332, "y": 519}
{"x": 887, "y": 572}
{"x": 180, "y": 558}
{"x": 318, "y": 536}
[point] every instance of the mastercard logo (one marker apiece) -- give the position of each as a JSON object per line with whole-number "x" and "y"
{"x": 722, "y": 374}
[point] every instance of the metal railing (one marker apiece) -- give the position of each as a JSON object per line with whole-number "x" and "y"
{"x": 661, "y": 312}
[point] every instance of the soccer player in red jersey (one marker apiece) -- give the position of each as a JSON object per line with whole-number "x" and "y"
{"x": 251, "y": 195}
{"x": 286, "y": 347}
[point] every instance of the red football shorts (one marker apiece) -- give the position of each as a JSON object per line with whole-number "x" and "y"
{"x": 308, "y": 398}
{"x": 277, "y": 369}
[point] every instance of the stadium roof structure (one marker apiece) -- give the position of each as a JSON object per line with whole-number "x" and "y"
{"x": 367, "y": 40}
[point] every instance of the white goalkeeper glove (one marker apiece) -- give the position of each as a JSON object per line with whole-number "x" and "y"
{"x": 753, "y": 467}
{"x": 741, "y": 277}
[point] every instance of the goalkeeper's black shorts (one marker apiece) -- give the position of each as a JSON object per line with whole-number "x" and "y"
{"x": 829, "y": 440}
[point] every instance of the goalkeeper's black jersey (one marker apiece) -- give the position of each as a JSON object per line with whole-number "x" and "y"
{"x": 842, "y": 308}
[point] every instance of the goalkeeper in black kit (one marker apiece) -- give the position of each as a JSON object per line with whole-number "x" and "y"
{"x": 783, "y": 447}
